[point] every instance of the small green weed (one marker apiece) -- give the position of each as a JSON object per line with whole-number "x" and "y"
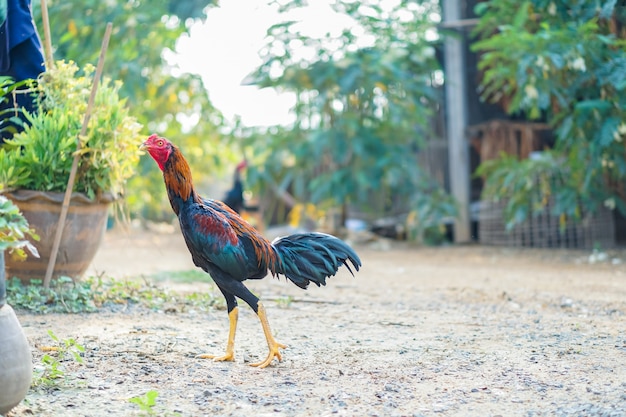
{"x": 52, "y": 370}
{"x": 191, "y": 275}
{"x": 204, "y": 300}
{"x": 128, "y": 291}
{"x": 284, "y": 302}
{"x": 150, "y": 295}
{"x": 64, "y": 296}
{"x": 147, "y": 403}
{"x": 68, "y": 296}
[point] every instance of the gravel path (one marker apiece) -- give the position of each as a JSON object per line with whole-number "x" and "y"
{"x": 468, "y": 331}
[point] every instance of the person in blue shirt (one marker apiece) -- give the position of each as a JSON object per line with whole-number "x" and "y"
{"x": 21, "y": 54}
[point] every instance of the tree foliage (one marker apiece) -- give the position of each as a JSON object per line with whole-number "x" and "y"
{"x": 364, "y": 102}
{"x": 563, "y": 62}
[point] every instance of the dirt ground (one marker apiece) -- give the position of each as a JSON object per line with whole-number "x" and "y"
{"x": 462, "y": 330}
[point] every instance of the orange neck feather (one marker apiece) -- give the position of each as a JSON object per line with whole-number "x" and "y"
{"x": 177, "y": 175}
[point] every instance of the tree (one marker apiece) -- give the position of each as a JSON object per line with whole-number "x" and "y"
{"x": 564, "y": 62}
{"x": 364, "y": 102}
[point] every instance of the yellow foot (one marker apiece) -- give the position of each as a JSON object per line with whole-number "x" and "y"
{"x": 273, "y": 353}
{"x": 227, "y": 357}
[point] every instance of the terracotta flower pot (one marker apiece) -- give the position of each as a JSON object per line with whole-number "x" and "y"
{"x": 83, "y": 232}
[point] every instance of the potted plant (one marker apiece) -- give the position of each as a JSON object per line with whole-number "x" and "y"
{"x": 15, "y": 357}
{"x": 35, "y": 166}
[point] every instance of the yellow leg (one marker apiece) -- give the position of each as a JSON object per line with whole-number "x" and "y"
{"x": 272, "y": 344}
{"x": 230, "y": 345}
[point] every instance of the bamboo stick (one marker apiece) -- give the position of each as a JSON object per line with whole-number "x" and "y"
{"x": 47, "y": 45}
{"x": 72, "y": 178}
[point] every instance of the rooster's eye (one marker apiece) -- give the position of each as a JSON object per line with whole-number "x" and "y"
{"x": 160, "y": 143}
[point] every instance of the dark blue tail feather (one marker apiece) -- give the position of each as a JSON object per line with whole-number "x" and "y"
{"x": 312, "y": 257}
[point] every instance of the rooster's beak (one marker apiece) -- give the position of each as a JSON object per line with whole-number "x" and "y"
{"x": 143, "y": 146}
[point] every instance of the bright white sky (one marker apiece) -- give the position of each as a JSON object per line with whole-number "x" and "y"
{"x": 224, "y": 50}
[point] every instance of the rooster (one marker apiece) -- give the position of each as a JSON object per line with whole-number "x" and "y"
{"x": 234, "y": 197}
{"x": 231, "y": 251}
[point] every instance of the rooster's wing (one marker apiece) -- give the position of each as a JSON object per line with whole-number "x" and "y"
{"x": 217, "y": 237}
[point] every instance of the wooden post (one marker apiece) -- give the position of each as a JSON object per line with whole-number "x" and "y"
{"x": 456, "y": 122}
{"x": 72, "y": 178}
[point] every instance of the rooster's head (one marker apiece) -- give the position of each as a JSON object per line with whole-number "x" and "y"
{"x": 159, "y": 149}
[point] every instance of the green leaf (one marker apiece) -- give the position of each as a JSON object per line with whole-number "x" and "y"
{"x": 608, "y": 130}
{"x": 481, "y": 8}
{"x": 521, "y": 15}
{"x": 594, "y": 104}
